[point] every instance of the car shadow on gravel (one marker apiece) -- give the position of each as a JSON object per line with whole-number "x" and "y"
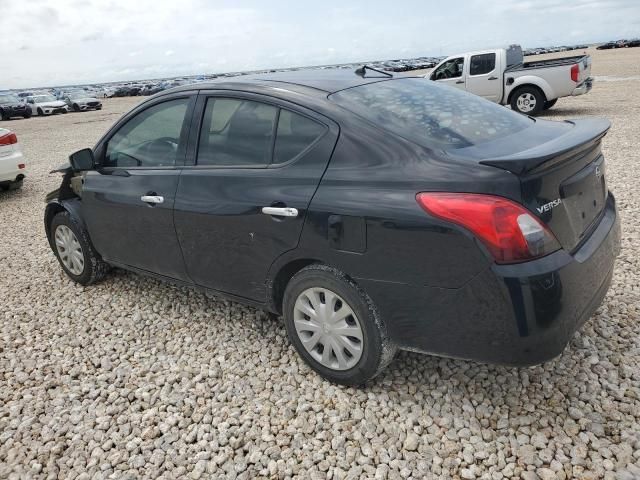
{"x": 565, "y": 112}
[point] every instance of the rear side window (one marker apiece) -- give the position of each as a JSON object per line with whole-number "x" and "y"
{"x": 295, "y": 134}
{"x": 481, "y": 64}
{"x": 430, "y": 114}
{"x": 236, "y": 133}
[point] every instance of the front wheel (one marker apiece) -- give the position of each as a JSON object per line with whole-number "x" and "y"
{"x": 40, "y": 112}
{"x": 71, "y": 245}
{"x": 4, "y": 115}
{"x": 27, "y": 114}
{"x": 527, "y": 100}
{"x": 334, "y": 327}
{"x": 550, "y": 103}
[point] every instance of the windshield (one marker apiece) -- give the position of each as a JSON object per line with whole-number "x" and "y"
{"x": 8, "y": 99}
{"x": 429, "y": 114}
{"x": 44, "y": 98}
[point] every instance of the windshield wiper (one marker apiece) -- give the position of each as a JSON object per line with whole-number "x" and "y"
{"x": 362, "y": 71}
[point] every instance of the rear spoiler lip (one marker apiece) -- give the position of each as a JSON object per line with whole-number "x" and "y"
{"x": 585, "y": 133}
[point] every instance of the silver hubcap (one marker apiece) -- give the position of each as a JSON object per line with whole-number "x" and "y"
{"x": 69, "y": 250}
{"x": 328, "y": 328}
{"x": 526, "y": 102}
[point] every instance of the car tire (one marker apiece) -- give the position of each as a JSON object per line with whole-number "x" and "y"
{"x": 361, "y": 359}
{"x": 4, "y": 116}
{"x": 15, "y": 185}
{"x": 76, "y": 108}
{"x": 550, "y": 103}
{"x": 93, "y": 268}
{"x": 40, "y": 112}
{"x": 27, "y": 114}
{"x": 527, "y": 100}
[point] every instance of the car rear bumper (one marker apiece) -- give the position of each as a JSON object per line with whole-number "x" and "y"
{"x": 584, "y": 87}
{"x": 521, "y": 314}
{"x": 10, "y": 170}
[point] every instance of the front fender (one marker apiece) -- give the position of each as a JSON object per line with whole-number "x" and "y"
{"x": 55, "y": 206}
{"x": 539, "y": 82}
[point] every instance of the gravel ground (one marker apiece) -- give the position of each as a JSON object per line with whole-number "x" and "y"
{"x": 133, "y": 378}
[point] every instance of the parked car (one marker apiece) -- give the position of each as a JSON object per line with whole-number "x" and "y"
{"x": 633, "y": 43}
{"x": 46, "y": 105}
{"x": 607, "y": 46}
{"x": 11, "y": 106}
{"x": 375, "y": 213}
{"x": 12, "y": 163}
{"x": 81, "y": 101}
{"x": 502, "y": 76}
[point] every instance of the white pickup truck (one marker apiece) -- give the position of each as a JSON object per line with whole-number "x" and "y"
{"x": 502, "y": 76}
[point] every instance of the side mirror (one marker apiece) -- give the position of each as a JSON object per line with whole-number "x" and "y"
{"x": 82, "y": 160}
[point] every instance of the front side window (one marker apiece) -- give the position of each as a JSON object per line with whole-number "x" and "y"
{"x": 236, "y": 132}
{"x": 295, "y": 134}
{"x": 150, "y": 139}
{"x": 429, "y": 114}
{"x": 449, "y": 69}
{"x": 482, "y": 64}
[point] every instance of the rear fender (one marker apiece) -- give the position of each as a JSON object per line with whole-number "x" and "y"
{"x": 534, "y": 81}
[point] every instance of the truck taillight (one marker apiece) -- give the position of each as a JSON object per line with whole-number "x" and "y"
{"x": 508, "y": 230}
{"x": 8, "y": 139}
{"x": 575, "y": 71}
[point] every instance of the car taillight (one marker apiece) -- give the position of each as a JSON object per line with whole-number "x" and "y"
{"x": 8, "y": 139}
{"x": 509, "y": 231}
{"x": 21, "y": 166}
{"x": 575, "y": 71}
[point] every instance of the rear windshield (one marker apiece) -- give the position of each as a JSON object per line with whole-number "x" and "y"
{"x": 429, "y": 114}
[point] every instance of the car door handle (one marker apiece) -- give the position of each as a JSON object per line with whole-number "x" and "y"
{"x": 460, "y": 81}
{"x": 280, "y": 211}
{"x": 152, "y": 199}
{"x": 493, "y": 78}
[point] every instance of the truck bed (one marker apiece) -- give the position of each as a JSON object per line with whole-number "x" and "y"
{"x": 552, "y": 62}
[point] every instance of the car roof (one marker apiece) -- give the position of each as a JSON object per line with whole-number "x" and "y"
{"x": 321, "y": 81}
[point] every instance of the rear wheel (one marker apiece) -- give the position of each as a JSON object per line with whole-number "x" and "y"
{"x": 334, "y": 327}
{"x": 527, "y": 100}
{"x": 72, "y": 247}
{"x": 4, "y": 115}
{"x": 550, "y": 103}
{"x": 15, "y": 185}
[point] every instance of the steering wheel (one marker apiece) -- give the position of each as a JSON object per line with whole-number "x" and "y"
{"x": 158, "y": 150}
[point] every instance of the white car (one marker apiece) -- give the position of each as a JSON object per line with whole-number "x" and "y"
{"x": 12, "y": 163}
{"x": 46, "y": 105}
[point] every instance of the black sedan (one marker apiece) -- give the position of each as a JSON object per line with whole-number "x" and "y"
{"x": 374, "y": 213}
{"x": 11, "y": 106}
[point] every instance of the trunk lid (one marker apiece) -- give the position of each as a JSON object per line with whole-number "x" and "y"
{"x": 563, "y": 180}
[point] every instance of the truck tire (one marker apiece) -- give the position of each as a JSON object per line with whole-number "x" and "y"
{"x": 550, "y": 103}
{"x": 527, "y": 100}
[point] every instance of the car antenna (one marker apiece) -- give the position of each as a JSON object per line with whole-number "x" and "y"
{"x": 362, "y": 71}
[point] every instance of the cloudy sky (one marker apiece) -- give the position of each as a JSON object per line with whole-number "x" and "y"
{"x": 58, "y": 42}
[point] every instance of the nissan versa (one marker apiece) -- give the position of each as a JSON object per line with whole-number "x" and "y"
{"x": 374, "y": 213}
